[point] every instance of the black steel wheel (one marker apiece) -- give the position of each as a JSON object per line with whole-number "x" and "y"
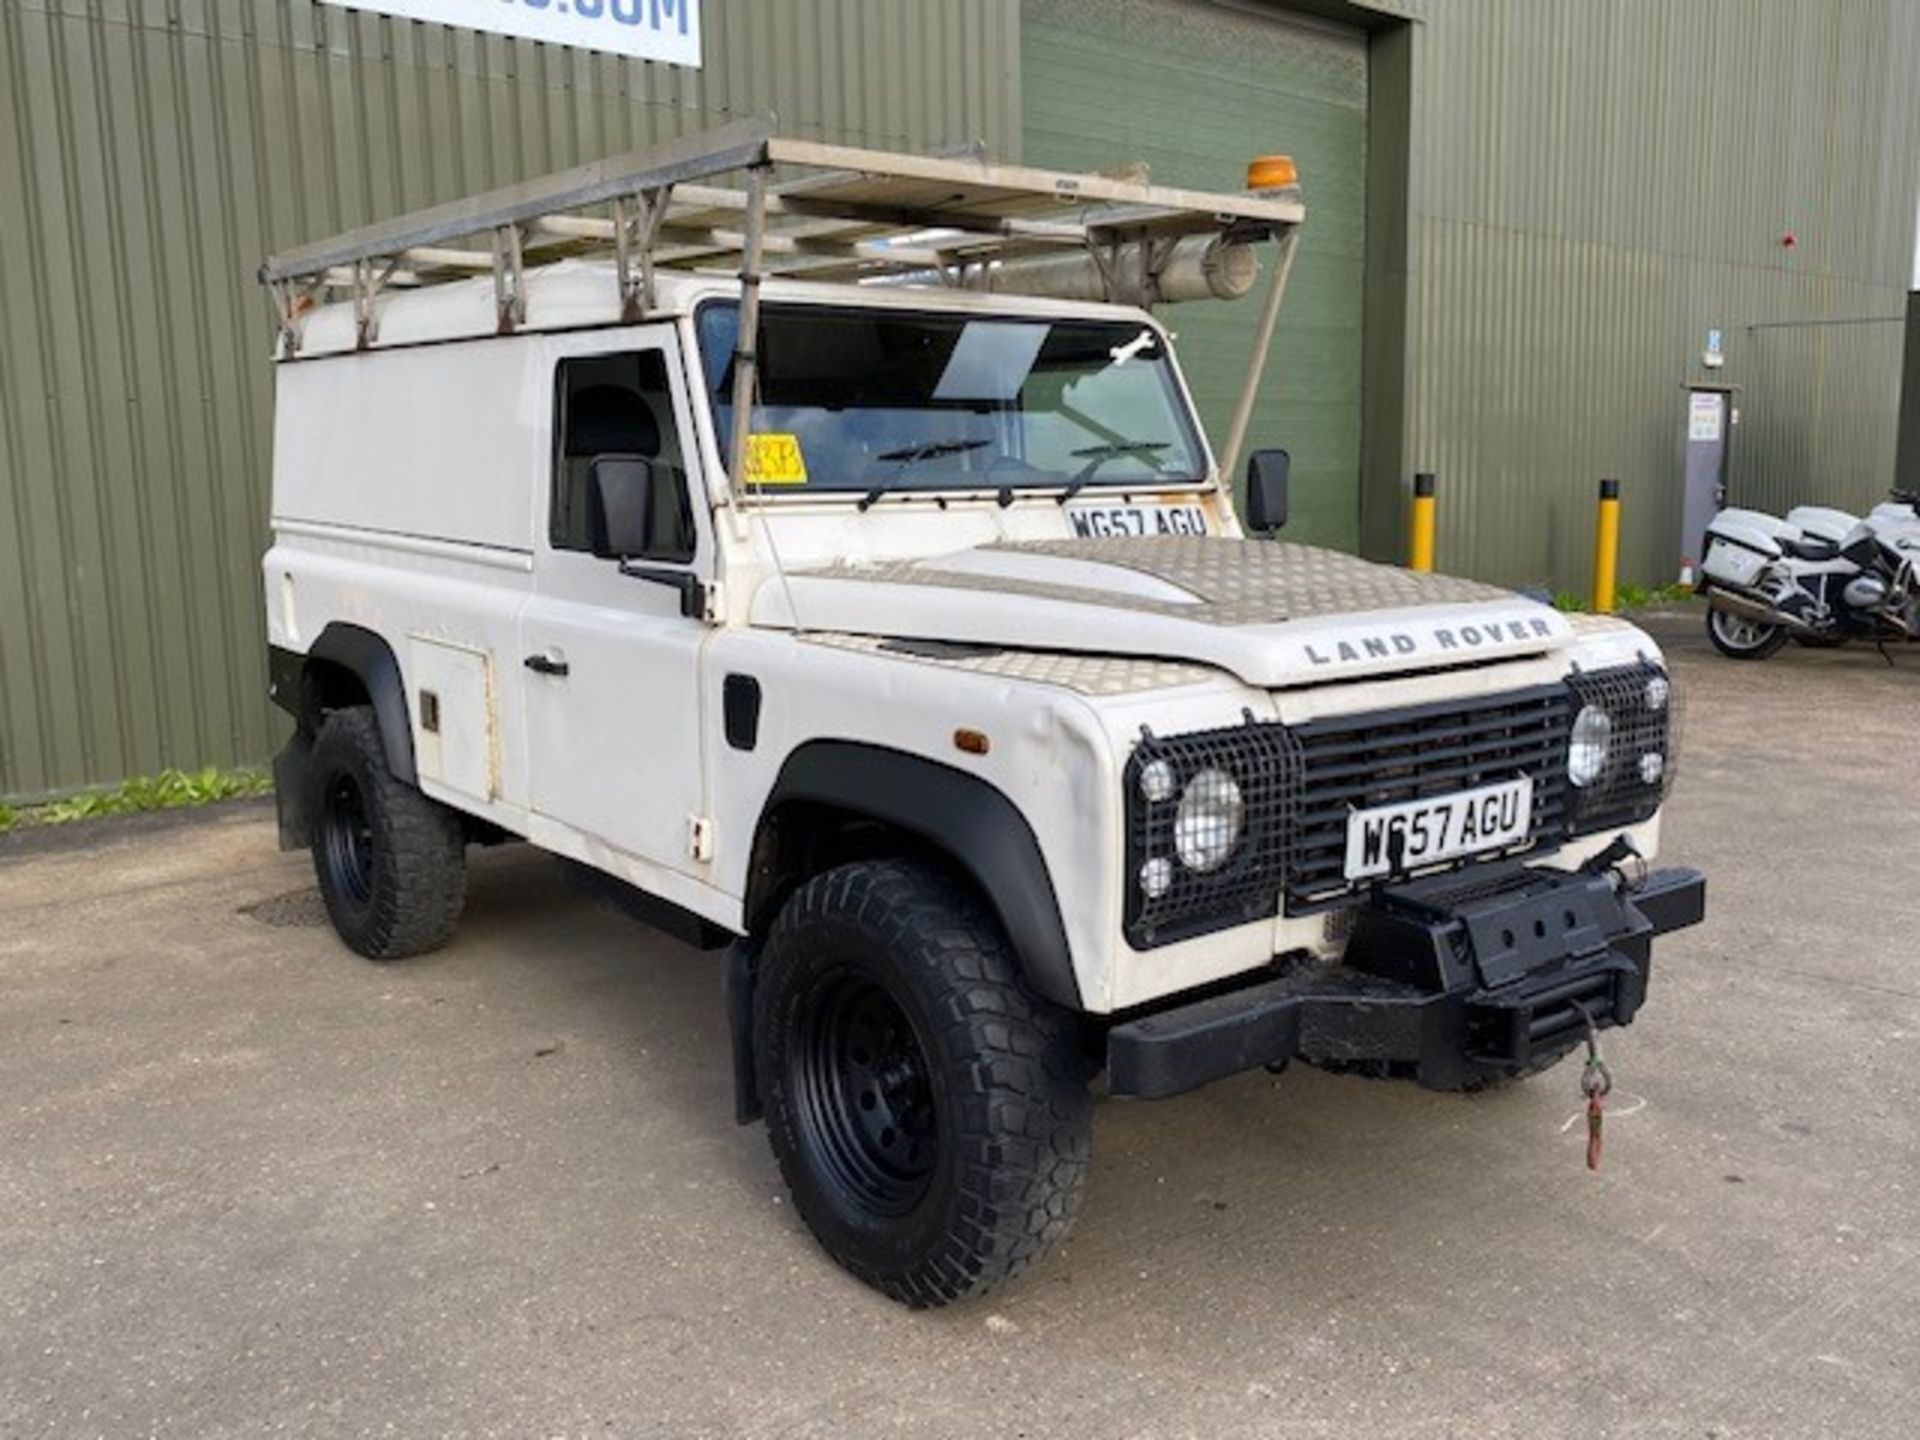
{"x": 864, "y": 1099}
{"x": 391, "y": 863}
{"x": 346, "y": 839}
{"x": 929, "y": 1113}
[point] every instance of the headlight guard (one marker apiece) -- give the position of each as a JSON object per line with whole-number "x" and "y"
{"x": 1261, "y": 763}
{"x": 1642, "y": 706}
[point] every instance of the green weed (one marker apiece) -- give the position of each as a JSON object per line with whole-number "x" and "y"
{"x": 1639, "y": 597}
{"x": 1628, "y": 597}
{"x": 169, "y": 790}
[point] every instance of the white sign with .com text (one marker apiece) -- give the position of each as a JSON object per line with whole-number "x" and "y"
{"x": 666, "y": 30}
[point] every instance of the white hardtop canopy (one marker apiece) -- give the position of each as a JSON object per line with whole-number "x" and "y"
{"x": 838, "y": 215}
{"x": 579, "y": 294}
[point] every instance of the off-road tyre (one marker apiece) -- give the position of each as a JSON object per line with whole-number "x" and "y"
{"x": 930, "y": 1115}
{"x": 391, "y": 863}
{"x": 1721, "y": 631}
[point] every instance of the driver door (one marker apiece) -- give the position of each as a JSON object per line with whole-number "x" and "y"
{"x": 613, "y": 683}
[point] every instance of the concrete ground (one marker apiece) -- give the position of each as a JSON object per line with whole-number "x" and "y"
{"x": 250, "y": 1185}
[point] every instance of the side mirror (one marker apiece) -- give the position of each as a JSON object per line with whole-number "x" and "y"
{"x": 620, "y": 506}
{"x": 1266, "y": 509}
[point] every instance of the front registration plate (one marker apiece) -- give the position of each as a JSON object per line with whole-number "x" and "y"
{"x": 1102, "y": 521}
{"x": 1393, "y": 839}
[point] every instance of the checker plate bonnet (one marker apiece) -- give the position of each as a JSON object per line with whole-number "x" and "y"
{"x": 1272, "y": 613}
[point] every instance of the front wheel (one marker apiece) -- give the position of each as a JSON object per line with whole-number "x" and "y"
{"x": 930, "y": 1115}
{"x": 1739, "y": 638}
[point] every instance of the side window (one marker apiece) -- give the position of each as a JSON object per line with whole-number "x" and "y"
{"x": 618, "y": 405}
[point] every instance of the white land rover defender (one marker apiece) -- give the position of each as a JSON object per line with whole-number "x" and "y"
{"x": 889, "y": 624}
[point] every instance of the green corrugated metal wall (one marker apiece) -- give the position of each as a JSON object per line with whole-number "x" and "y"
{"x": 1594, "y": 185}
{"x": 1196, "y": 89}
{"x": 1907, "y": 456}
{"x": 155, "y": 150}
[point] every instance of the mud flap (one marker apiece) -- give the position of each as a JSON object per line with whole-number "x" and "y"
{"x": 743, "y": 971}
{"x": 290, "y": 768}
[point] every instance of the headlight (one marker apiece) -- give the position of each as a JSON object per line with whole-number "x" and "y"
{"x": 1156, "y": 877}
{"x": 1156, "y": 781}
{"x": 1207, "y": 826}
{"x": 1587, "y": 746}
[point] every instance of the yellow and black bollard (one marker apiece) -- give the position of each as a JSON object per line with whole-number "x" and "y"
{"x": 1606, "y": 547}
{"x": 1420, "y": 543}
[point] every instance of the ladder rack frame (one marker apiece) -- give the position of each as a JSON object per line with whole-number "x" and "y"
{"x": 849, "y": 214}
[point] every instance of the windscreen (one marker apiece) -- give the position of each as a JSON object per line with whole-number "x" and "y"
{"x": 876, "y": 400}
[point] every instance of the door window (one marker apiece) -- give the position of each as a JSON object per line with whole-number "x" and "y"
{"x": 618, "y": 405}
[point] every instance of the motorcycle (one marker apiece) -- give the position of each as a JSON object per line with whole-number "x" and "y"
{"x": 1822, "y": 577}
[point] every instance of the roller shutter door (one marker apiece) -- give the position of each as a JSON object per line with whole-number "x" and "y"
{"x": 1195, "y": 88}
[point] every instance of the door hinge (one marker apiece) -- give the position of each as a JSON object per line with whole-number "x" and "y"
{"x": 700, "y": 837}
{"x": 714, "y": 608}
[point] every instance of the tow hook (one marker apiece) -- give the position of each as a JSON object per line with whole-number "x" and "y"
{"x": 1596, "y": 1083}
{"x": 1622, "y": 862}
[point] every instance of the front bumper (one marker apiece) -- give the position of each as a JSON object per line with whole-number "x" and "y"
{"x": 1446, "y": 981}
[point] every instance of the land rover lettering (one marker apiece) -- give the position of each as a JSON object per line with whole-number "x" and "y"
{"x": 1502, "y": 633}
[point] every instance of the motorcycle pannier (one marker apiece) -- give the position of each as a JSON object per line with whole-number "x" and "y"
{"x": 1739, "y": 545}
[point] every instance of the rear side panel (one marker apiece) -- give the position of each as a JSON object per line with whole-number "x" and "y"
{"x": 404, "y": 499}
{"x": 442, "y": 443}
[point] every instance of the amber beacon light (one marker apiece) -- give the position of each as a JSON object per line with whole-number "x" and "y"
{"x": 1272, "y": 172}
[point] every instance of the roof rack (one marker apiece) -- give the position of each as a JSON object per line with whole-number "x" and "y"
{"x": 839, "y": 214}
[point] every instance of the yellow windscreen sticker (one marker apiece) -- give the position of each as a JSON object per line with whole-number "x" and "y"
{"x": 775, "y": 459}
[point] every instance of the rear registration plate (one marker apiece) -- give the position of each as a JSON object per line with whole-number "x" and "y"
{"x": 1102, "y": 521}
{"x": 1393, "y": 839}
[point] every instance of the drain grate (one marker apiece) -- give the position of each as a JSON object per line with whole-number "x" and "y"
{"x": 295, "y": 910}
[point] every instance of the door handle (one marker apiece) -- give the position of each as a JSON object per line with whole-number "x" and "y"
{"x": 546, "y": 665}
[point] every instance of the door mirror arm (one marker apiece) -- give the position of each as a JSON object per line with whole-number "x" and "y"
{"x": 693, "y": 592}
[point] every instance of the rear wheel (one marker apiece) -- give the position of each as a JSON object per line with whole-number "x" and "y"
{"x": 1739, "y": 638}
{"x": 930, "y": 1115}
{"x": 391, "y": 863}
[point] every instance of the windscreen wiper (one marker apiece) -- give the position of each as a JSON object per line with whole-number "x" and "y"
{"x": 907, "y": 456}
{"x": 1098, "y": 455}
